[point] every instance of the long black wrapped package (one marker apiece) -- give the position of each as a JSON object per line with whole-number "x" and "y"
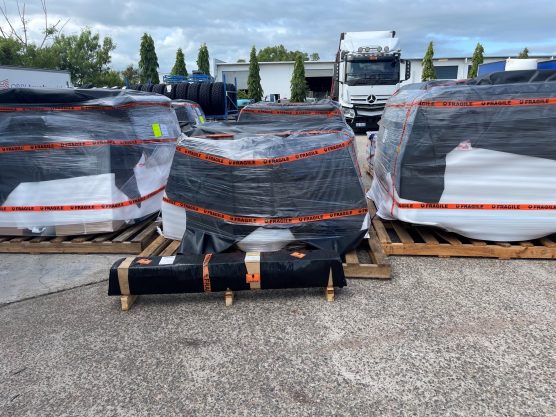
{"x": 79, "y": 160}
{"x": 265, "y": 185}
{"x": 218, "y": 272}
{"x": 476, "y": 157}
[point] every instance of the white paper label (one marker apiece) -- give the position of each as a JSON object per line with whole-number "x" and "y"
{"x": 167, "y": 260}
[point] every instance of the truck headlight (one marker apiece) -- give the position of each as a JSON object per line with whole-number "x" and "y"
{"x": 349, "y": 113}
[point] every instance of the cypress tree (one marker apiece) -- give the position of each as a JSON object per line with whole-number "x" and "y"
{"x": 254, "y": 89}
{"x": 476, "y": 61}
{"x": 179, "y": 66}
{"x": 428, "y": 68}
{"x": 298, "y": 84}
{"x": 524, "y": 53}
{"x": 203, "y": 60}
{"x": 148, "y": 63}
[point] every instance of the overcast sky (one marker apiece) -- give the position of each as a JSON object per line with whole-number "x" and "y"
{"x": 231, "y": 27}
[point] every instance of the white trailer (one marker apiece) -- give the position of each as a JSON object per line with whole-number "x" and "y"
{"x": 367, "y": 72}
{"x": 21, "y": 77}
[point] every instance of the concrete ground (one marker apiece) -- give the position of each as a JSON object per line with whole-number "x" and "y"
{"x": 443, "y": 337}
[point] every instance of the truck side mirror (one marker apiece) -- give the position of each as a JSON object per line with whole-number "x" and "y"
{"x": 407, "y": 70}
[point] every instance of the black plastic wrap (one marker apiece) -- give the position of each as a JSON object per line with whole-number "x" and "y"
{"x": 184, "y": 273}
{"x": 488, "y": 142}
{"x": 82, "y": 158}
{"x": 262, "y": 185}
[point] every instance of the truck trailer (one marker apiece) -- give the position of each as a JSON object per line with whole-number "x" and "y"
{"x": 367, "y": 71}
{"x": 22, "y": 77}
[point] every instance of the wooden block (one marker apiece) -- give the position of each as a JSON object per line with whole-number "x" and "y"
{"x": 127, "y": 301}
{"x": 229, "y": 297}
{"x": 330, "y": 288}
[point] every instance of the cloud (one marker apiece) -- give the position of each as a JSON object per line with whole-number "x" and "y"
{"x": 231, "y": 27}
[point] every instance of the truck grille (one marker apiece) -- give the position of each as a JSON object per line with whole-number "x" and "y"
{"x": 361, "y": 102}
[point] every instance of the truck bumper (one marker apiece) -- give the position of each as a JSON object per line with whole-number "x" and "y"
{"x": 364, "y": 122}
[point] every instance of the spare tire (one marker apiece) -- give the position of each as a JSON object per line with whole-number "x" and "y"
{"x": 181, "y": 91}
{"x": 205, "y": 97}
{"x": 193, "y": 92}
{"x": 159, "y": 88}
{"x": 218, "y": 100}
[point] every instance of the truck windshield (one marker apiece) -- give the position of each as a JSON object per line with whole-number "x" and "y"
{"x": 385, "y": 71}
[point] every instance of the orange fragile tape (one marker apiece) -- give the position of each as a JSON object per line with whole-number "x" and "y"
{"x": 474, "y": 206}
{"x": 263, "y": 162}
{"x": 481, "y": 103}
{"x": 251, "y": 278}
{"x": 206, "y": 277}
{"x": 267, "y": 220}
{"x": 78, "y": 207}
{"x": 10, "y": 109}
{"x": 293, "y": 112}
{"x": 87, "y": 143}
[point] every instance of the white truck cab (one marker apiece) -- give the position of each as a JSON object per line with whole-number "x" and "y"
{"x": 367, "y": 72}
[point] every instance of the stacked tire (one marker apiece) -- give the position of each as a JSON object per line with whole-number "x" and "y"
{"x": 214, "y": 98}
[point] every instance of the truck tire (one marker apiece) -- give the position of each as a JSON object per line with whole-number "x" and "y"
{"x": 159, "y": 88}
{"x": 133, "y": 87}
{"x": 181, "y": 91}
{"x": 205, "y": 97}
{"x": 147, "y": 87}
{"x": 172, "y": 93}
{"x": 218, "y": 101}
{"x": 138, "y": 87}
{"x": 193, "y": 92}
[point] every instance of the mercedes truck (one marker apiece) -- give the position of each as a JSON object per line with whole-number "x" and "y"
{"x": 367, "y": 71}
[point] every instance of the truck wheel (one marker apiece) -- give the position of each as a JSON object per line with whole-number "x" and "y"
{"x": 205, "y": 96}
{"x": 146, "y": 87}
{"x": 138, "y": 87}
{"x": 218, "y": 101}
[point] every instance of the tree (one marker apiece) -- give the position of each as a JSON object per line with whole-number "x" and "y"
{"x": 315, "y": 56}
{"x": 179, "y": 66}
{"x": 203, "y": 60}
{"x": 524, "y": 54}
{"x": 84, "y": 55}
{"x": 254, "y": 88}
{"x": 132, "y": 74}
{"x": 476, "y": 60}
{"x": 279, "y": 53}
{"x": 111, "y": 78}
{"x": 148, "y": 62}
{"x": 11, "y": 51}
{"x": 241, "y": 61}
{"x": 428, "y": 68}
{"x": 298, "y": 83}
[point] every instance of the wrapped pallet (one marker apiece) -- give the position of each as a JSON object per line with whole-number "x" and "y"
{"x": 261, "y": 186}
{"x": 82, "y": 161}
{"x": 476, "y": 157}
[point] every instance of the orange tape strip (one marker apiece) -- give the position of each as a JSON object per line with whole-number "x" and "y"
{"x": 77, "y": 207}
{"x": 263, "y": 162}
{"x": 10, "y": 109}
{"x": 87, "y": 143}
{"x": 293, "y": 112}
{"x": 206, "y": 278}
{"x": 481, "y": 103}
{"x": 472, "y": 206}
{"x": 267, "y": 220}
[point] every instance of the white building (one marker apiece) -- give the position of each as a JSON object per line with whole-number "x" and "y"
{"x": 18, "y": 77}
{"x": 276, "y": 76}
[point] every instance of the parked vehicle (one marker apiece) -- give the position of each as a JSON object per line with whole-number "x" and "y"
{"x": 366, "y": 73}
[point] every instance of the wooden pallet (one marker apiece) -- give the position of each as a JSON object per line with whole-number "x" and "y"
{"x": 367, "y": 261}
{"x": 399, "y": 238}
{"x": 131, "y": 240}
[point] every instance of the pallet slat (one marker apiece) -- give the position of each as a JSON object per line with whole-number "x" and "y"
{"x": 128, "y": 241}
